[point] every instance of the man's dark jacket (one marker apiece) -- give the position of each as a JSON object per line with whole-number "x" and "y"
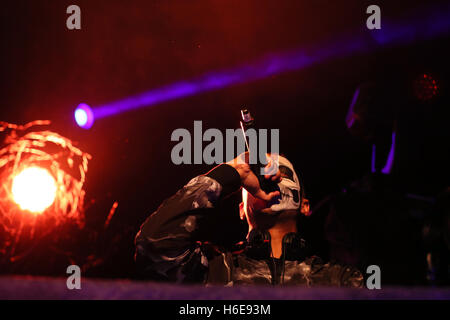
{"x": 170, "y": 245}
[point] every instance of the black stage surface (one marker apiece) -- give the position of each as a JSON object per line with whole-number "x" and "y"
{"x": 23, "y": 287}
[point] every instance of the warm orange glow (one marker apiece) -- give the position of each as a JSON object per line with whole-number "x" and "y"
{"x": 34, "y": 189}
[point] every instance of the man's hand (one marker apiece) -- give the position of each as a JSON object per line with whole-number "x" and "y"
{"x": 250, "y": 181}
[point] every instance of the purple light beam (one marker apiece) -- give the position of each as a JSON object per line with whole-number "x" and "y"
{"x": 423, "y": 24}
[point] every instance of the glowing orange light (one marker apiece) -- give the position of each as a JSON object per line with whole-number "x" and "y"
{"x": 34, "y": 189}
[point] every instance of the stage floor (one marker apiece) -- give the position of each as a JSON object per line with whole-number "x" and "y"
{"x": 24, "y": 287}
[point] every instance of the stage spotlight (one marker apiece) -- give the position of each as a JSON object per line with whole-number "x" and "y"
{"x": 426, "y": 87}
{"x": 84, "y": 116}
{"x": 34, "y": 189}
{"x": 42, "y": 174}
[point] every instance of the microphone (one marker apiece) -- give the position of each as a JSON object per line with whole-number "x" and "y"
{"x": 248, "y": 122}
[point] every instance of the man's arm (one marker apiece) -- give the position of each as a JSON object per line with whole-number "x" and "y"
{"x": 166, "y": 245}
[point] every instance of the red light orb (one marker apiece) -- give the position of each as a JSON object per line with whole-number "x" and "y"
{"x": 425, "y": 87}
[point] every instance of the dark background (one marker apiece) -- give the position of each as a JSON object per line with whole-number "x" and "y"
{"x": 128, "y": 47}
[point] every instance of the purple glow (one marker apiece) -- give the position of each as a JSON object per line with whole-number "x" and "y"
{"x": 350, "y": 118}
{"x": 84, "y": 116}
{"x": 424, "y": 23}
{"x": 263, "y": 68}
{"x": 421, "y": 25}
{"x": 374, "y": 150}
{"x": 390, "y": 160}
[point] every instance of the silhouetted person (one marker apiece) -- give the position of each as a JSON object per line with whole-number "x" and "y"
{"x": 370, "y": 220}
